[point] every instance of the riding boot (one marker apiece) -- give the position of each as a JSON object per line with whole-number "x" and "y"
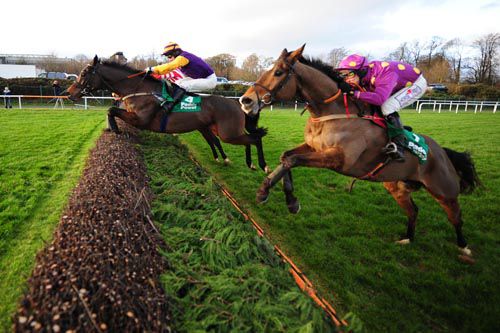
{"x": 396, "y": 148}
{"x": 177, "y": 96}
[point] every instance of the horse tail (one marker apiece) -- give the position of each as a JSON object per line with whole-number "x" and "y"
{"x": 466, "y": 170}
{"x": 251, "y": 126}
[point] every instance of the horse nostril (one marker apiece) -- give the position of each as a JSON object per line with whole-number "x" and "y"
{"x": 246, "y": 100}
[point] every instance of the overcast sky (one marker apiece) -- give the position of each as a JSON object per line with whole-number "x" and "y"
{"x": 210, "y": 27}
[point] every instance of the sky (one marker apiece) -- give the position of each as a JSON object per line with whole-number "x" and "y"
{"x": 210, "y": 27}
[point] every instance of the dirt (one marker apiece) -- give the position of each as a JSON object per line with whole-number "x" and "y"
{"x": 101, "y": 272}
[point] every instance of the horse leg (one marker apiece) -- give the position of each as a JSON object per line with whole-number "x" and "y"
{"x": 260, "y": 156}
{"x": 210, "y": 140}
{"x": 248, "y": 157}
{"x": 454, "y": 213}
{"x": 291, "y": 201}
{"x": 402, "y": 194}
{"x": 112, "y": 121}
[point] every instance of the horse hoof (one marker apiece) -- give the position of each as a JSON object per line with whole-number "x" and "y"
{"x": 294, "y": 208}
{"x": 466, "y": 259}
{"x": 227, "y": 161}
{"x": 262, "y": 196}
{"x": 404, "y": 241}
{"x": 252, "y": 167}
{"x": 465, "y": 251}
{"x": 267, "y": 170}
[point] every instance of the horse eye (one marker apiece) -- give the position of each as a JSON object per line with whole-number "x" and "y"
{"x": 278, "y": 72}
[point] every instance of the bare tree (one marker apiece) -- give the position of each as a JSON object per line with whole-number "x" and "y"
{"x": 453, "y": 51}
{"x": 222, "y": 64}
{"x": 335, "y": 55}
{"x": 432, "y": 46}
{"x": 401, "y": 53}
{"x": 414, "y": 51}
{"x": 484, "y": 67}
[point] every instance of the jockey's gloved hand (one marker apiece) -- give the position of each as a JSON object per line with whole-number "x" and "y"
{"x": 346, "y": 88}
{"x": 148, "y": 70}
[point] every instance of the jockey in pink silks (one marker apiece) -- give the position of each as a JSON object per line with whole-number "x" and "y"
{"x": 392, "y": 85}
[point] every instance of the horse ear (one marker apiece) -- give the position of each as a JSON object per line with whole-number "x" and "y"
{"x": 283, "y": 54}
{"x": 96, "y": 60}
{"x": 297, "y": 53}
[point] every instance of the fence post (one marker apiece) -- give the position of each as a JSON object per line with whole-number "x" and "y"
{"x": 434, "y": 106}
{"x": 439, "y": 108}
{"x": 495, "y": 107}
{"x": 475, "y": 109}
{"x": 458, "y": 104}
{"x": 295, "y": 105}
{"x": 451, "y": 104}
{"x": 466, "y": 104}
{"x": 86, "y": 106}
{"x": 481, "y": 108}
{"x": 20, "y": 105}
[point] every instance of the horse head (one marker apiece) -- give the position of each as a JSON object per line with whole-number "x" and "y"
{"x": 278, "y": 83}
{"x": 88, "y": 81}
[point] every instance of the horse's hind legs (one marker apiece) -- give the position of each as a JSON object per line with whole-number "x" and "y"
{"x": 401, "y": 192}
{"x": 452, "y": 209}
{"x": 291, "y": 201}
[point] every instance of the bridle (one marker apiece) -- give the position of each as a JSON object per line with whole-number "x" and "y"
{"x": 271, "y": 93}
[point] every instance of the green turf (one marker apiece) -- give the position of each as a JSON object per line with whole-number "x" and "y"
{"x": 345, "y": 242}
{"x": 42, "y": 155}
{"x": 222, "y": 277}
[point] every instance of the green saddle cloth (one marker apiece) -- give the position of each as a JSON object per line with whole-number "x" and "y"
{"x": 187, "y": 104}
{"x": 414, "y": 143}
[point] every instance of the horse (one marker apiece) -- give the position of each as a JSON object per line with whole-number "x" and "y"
{"x": 221, "y": 115}
{"x": 346, "y": 143}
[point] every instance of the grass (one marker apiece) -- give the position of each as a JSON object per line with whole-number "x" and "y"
{"x": 223, "y": 277}
{"x": 42, "y": 155}
{"x": 345, "y": 242}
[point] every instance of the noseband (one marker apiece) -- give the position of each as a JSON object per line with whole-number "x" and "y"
{"x": 271, "y": 93}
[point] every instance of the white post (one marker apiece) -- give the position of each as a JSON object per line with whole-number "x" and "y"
{"x": 439, "y": 108}
{"x": 458, "y": 104}
{"x": 434, "y": 107}
{"x": 20, "y": 106}
{"x": 451, "y": 104}
{"x": 86, "y": 106}
{"x": 475, "y": 109}
{"x": 271, "y": 107}
{"x": 495, "y": 107}
{"x": 481, "y": 108}
{"x": 466, "y": 104}
{"x": 295, "y": 105}
{"x": 416, "y": 108}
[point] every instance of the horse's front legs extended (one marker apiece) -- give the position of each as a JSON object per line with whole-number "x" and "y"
{"x": 278, "y": 173}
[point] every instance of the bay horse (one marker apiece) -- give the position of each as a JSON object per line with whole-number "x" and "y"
{"x": 352, "y": 146}
{"x": 143, "y": 110}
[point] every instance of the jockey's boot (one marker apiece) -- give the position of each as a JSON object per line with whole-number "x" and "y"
{"x": 177, "y": 96}
{"x": 396, "y": 147}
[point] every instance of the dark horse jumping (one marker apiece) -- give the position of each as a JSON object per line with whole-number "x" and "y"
{"x": 144, "y": 111}
{"x": 352, "y": 146}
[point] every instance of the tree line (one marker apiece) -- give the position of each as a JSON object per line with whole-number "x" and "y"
{"x": 442, "y": 61}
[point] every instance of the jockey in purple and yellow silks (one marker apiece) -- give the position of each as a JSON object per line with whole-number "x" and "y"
{"x": 193, "y": 73}
{"x": 392, "y": 85}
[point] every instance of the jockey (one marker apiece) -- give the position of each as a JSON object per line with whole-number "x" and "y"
{"x": 197, "y": 74}
{"x": 392, "y": 85}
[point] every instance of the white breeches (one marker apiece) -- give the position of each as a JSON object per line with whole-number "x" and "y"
{"x": 405, "y": 96}
{"x": 198, "y": 84}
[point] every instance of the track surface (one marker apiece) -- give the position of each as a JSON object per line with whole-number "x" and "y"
{"x": 101, "y": 271}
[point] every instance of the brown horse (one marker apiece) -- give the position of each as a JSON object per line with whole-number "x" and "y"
{"x": 353, "y": 146}
{"x": 144, "y": 112}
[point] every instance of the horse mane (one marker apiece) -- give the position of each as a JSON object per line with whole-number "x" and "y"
{"x": 126, "y": 68}
{"x": 322, "y": 67}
